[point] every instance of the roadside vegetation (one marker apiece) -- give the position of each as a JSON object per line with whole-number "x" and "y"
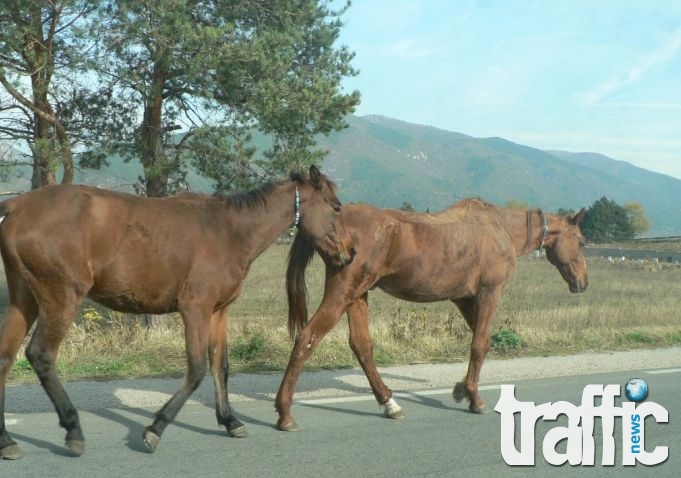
{"x": 628, "y": 305}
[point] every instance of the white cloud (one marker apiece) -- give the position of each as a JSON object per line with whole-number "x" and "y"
{"x": 409, "y": 49}
{"x": 643, "y": 105}
{"x": 664, "y": 53}
{"x": 655, "y": 154}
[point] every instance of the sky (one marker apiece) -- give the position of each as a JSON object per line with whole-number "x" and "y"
{"x": 576, "y": 75}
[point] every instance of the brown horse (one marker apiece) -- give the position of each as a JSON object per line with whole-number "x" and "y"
{"x": 187, "y": 254}
{"x": 465, "y": 254}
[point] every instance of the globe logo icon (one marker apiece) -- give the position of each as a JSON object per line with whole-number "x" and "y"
{"x": 636, "y": 390}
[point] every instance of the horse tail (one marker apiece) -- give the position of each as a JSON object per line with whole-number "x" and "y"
{"x": 299, "y": 257}
{"x": 5, "y": 209}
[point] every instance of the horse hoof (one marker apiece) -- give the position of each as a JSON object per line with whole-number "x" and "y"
{"x": 481, "y": 409}
{"x": 393, "y": 410}
{"x": 288, "y": 427}
{"x": 151, "y": 440}
{"x": 11, "y": 452}
{"x": 398, "y": 415}
{"x": 238, "y": 432}
{"x": 77, "y": 447}
{"x": 459, "y": 392}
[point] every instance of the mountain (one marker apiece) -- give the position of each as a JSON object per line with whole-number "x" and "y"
{"x": 386, "y": 162}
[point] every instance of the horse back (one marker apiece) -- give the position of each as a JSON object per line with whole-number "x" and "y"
{"x": 89, "y": 215}
{"x": 118, "y": 248}
{"x": 427, "y": 257}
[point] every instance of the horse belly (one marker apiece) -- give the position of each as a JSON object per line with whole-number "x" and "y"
{"x": 425, "y": 290}
{"x": 136, "y": 289}
{"x": 132, "y": 303}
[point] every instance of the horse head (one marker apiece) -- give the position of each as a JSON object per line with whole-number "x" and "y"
{"x": 318, "y": 215}
{"x": 564, "y": 246}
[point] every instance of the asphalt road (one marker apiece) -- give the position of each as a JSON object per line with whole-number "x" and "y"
{"x": 343, "y": 432}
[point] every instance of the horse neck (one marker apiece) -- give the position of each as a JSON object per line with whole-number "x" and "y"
{"x": 261, "y": 224}
{"x": 525, "y": 229}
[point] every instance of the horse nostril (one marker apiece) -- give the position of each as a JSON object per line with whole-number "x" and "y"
{"x": 353, "y": 252}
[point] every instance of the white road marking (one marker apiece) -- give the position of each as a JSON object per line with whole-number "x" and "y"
{"x": 425, "y": 393}
{"x": 364, "y": 398}
{"x": 665, "y": 370}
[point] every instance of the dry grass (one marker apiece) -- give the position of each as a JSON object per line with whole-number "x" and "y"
{"x": 626, "y": 306}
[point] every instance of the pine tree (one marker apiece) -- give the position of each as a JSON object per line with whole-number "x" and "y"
{"x": 33, "y": 48}
{"x": 227, "y": 69}
{"x": 607, "y": 221}
{"x": 240, "y": 77}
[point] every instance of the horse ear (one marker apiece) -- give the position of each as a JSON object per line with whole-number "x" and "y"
{"x": 577, "y": 218}
{"x": 315, "y": 177}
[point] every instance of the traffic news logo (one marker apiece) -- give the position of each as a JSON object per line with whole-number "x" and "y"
{"x": 581, "y": 444}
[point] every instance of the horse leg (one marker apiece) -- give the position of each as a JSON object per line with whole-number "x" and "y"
{"x": 14, "y": 329}
{"x": 326, "y": 317}
{"x": 219, "y": 367}
{"x": 53, "y": 322}
{"x": 477, "y": 311}
{"x": 360, "y": 343}
{"x": 196, "y": 333}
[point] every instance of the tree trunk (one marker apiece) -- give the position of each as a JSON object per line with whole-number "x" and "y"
{"x": 51, "y": 143}
{"x": 43, "y": 164}
{"x": 154, "y": 160}
{"x": 47, "y": 149}
{"x": 66, "y": 153}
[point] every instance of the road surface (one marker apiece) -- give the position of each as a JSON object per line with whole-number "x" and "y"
{"x": 342, "y": 431}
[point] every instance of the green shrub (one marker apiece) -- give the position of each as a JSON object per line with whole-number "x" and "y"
{"x": 638, "y": 337}
{"x": 23, "y": 364}
{"x": 246, "y": 351}
{"x": 675, "y": 337}
{"x": 506, "y": 340}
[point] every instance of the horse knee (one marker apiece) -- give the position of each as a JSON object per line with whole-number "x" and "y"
{"x": 39, "y": 359}
{"x": 356, "y": 349}
{"x": 5, "y": 366}
{"x": 362, "y": 350}
{"x": 305, "y": 342}
{"x": 195, "y": 376}
{"x": 193, "y": 383}
{"x": 480, "y": 348}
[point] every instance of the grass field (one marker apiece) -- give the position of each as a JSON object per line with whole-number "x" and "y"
{"x": 629, "y": 305}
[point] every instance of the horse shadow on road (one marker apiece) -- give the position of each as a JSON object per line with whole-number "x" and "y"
{"x": 121, "y": 401}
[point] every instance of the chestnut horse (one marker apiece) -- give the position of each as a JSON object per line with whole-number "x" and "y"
{"x": 465, "y": 254}
{"x": 188, "y": 254}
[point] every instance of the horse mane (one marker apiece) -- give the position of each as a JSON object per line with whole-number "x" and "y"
{"x": 474, "y": 203}
{"x": 250, "y": 198}
{"x": 477, "y": 204}
{"x": 257, "y": 197}
{"x": 299, "y": 257}
{"x": 460, "y": 210}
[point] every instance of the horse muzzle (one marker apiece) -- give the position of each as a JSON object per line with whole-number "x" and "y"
{"x": 343, "y": 258}
{"x": 578, "y": 286}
